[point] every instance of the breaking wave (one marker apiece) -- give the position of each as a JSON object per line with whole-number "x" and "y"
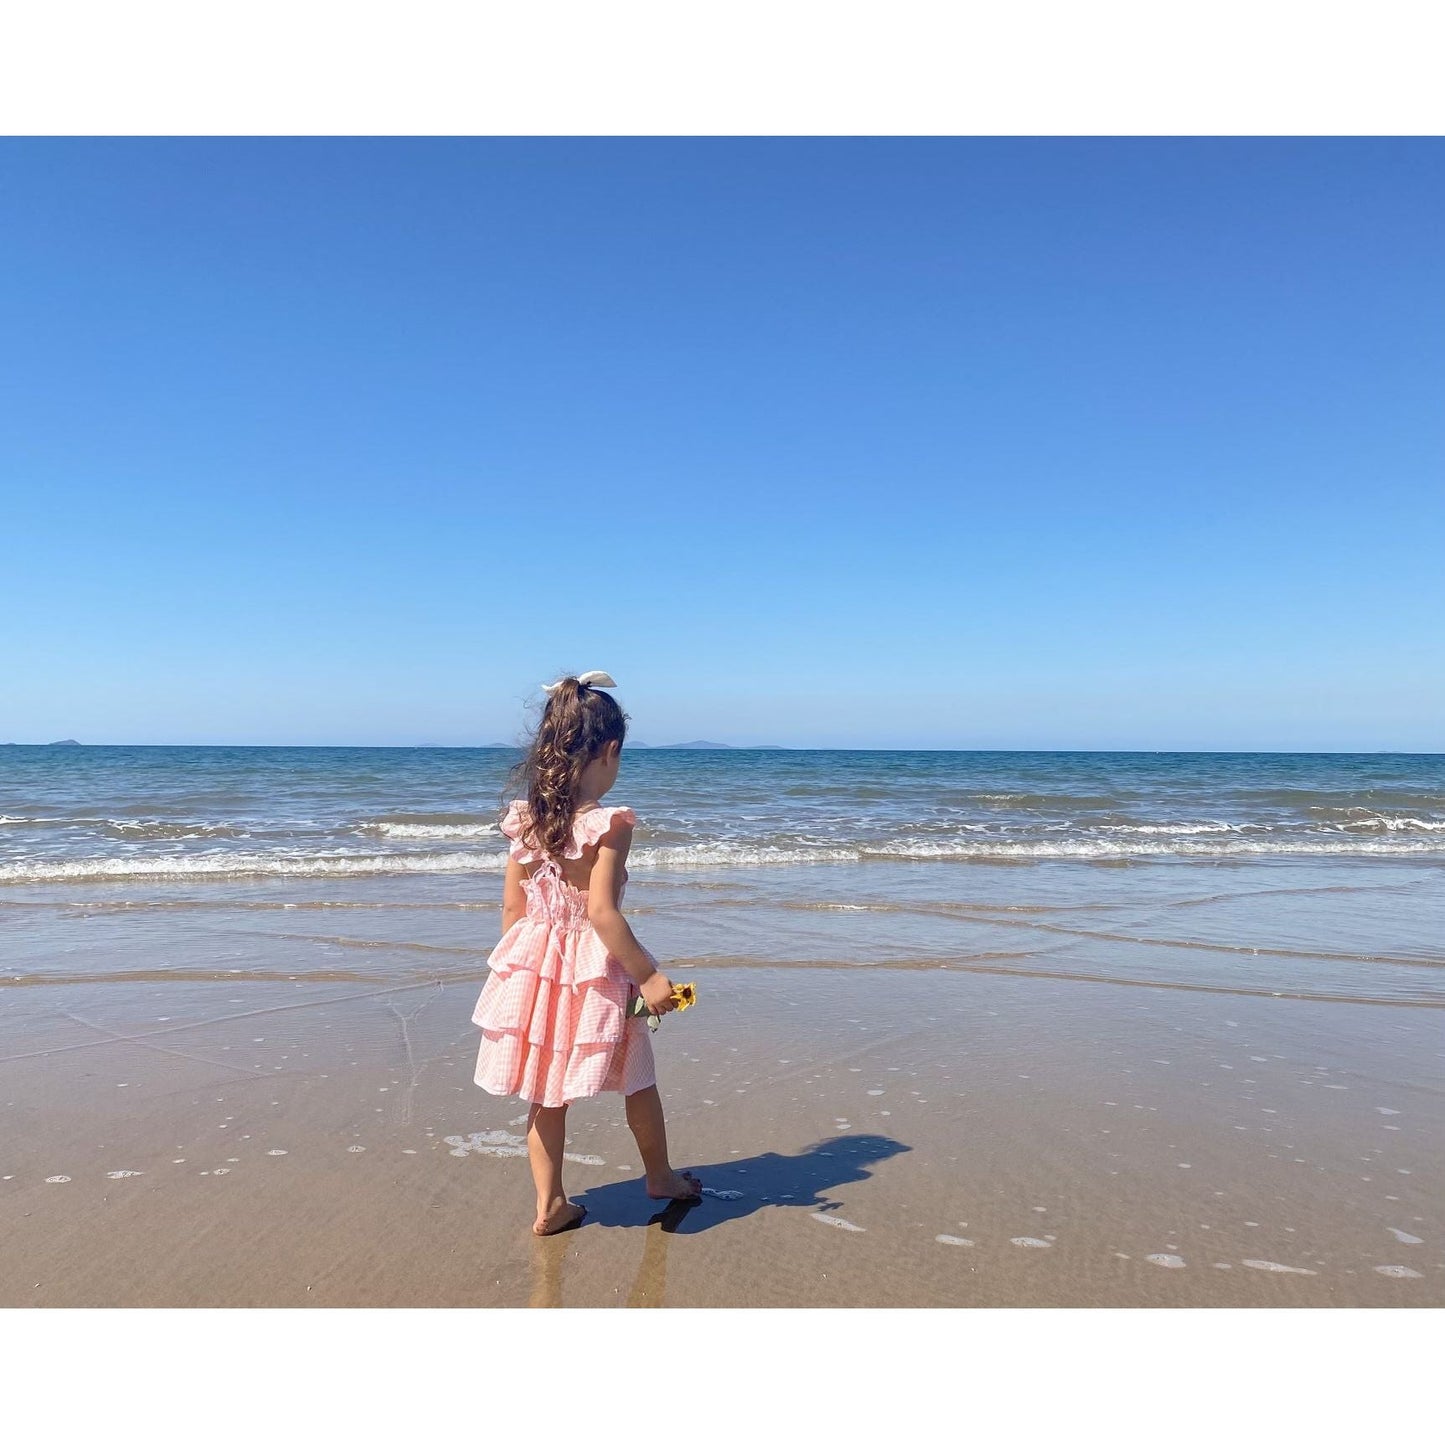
{"x": 1208, "y": 843}
{"x": 421, "y": 828}
{"x": 221, "y": 866}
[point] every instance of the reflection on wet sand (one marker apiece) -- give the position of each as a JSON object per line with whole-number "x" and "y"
{"x": 649, "y": 1286}
{"x": 547, "y": 1252}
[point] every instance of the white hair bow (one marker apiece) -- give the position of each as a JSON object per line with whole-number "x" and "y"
{"x": 591, "y": 679}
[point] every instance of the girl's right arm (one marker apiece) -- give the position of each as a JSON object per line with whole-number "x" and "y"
{"x": 604, "y": 888}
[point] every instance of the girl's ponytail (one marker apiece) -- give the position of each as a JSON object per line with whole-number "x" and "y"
{"x": 577, "y": 722}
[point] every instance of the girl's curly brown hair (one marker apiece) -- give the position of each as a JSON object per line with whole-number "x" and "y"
{"x": 577, "y": 723}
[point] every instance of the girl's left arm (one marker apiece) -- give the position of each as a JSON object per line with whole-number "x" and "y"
{"x": 514, "y": 901}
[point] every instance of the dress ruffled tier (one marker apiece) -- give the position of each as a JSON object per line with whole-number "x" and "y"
{"x": 553, "y": 1012}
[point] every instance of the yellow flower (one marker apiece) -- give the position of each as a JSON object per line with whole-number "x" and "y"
{"x": 684, "y": 995}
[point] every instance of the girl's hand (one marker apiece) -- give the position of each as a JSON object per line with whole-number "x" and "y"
{"x": 657, "y": 994}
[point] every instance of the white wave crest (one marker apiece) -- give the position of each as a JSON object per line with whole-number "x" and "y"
{"x": 430, "y": 830}
{"x": 1094, "y": 848}
{"x": 737, "y": 855}
{"x": 34, "y": 822}
{"x": 1396, "y": 825}
{"x": 219, "y": 865}
{"x": 202, "y": 866}
{"x": 1181, "y": 830}
{"x": 142, "y": 830}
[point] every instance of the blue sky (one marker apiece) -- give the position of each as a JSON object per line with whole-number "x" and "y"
{"x": 844, "y": 442}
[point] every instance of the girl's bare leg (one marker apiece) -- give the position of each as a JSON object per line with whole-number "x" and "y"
{"x": 546, "y": 1138}
{"x": 644, "y": 1118}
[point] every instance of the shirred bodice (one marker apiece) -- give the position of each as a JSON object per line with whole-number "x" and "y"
{"x": 552, "y": 900}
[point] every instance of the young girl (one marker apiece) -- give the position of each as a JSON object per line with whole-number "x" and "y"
{"x": 554, "y": 1012}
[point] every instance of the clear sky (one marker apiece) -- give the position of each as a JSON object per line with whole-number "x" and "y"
{"x": 845, "y": 442}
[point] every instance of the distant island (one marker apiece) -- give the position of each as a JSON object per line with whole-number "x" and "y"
{"x": 698, "y": 746}
{"x": 63, "y": 743}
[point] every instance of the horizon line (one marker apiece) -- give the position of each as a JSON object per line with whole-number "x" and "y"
{"x": 763, "y": 747}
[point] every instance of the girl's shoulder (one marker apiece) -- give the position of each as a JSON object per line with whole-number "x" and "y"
{"x": 587, "y": 828}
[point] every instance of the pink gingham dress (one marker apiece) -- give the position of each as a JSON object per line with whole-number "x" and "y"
{"x": 553, "y": 1012}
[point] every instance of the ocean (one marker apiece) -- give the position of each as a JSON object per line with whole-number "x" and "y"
{"x": 1301, "y": 875}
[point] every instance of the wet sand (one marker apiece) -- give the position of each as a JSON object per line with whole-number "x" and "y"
{"x": 881, "y": 1137}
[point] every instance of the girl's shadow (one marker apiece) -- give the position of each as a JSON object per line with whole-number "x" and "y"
{"x": 792, "y": 1181}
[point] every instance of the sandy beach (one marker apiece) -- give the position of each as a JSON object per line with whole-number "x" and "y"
{"x": 889, "y": 1137}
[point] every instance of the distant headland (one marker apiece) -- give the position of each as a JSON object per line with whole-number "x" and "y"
{"x": 63, "y": 743}
{"x": 698, "y": 746}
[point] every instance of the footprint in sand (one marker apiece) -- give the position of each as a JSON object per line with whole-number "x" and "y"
{"x": 952, "y": 1239}
{"x": 1025, "y": 1241}
{"x": 1166, "y": 1261}
{"x": 125, "y": 1173}
{"x": 1404, "y": 1238}
{"x": 58, "y": 1179}
{"x": 1398, "y": 1271}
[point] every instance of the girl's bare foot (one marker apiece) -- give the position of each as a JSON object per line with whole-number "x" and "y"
{"x": 562, "y": 1215}
{"x": 679, "y": 1184}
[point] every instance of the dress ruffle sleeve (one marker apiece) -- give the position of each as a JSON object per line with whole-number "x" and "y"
{"x": 587, "y": 829}
{"x": 592, "y": 826}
